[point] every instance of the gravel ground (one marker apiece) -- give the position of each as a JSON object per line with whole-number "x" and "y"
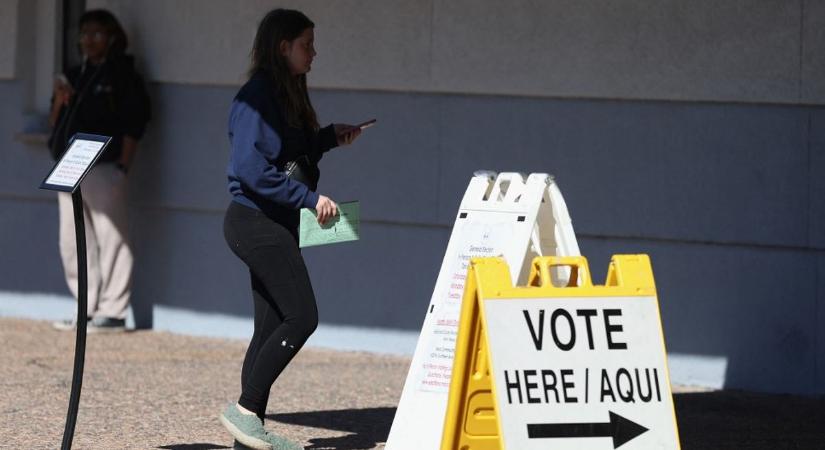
{"x": 158, "y": 390}
{"x": 146, "y": 390}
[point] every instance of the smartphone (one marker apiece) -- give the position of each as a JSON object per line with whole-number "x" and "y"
{"x": 366, "y": 124}
{"x": 60, "y": 78}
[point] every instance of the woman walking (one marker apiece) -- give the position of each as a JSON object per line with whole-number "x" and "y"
{"x": 273, "y": 128}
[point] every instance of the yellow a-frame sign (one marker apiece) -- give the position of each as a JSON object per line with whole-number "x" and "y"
{"x": 578, "y": 366}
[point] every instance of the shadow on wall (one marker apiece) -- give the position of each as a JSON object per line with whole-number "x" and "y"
{"x": 178, "y": 194}
{"x": 729, "y": 322}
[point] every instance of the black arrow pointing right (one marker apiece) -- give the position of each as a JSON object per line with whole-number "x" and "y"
{"x": 619, "y": 428}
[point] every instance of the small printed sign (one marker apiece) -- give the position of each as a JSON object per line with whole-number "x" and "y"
{"x": 77, "y": 160}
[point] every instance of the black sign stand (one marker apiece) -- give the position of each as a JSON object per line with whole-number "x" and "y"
{"x": 82, "y": 299}
{"x": 80, "y": 155}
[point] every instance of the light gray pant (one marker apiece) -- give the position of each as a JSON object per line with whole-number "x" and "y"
{"x": 109, "y": 257}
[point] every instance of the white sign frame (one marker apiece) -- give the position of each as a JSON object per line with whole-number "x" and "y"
{"x": 521, "y": 218}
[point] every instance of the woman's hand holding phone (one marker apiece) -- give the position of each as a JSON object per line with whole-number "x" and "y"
{"x": 348, "y": 133}
{"x": 63, "y": 90}
{"x": 63, "y": 93}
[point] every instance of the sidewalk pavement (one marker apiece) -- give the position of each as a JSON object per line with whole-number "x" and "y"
{"x": 155, "y": 390}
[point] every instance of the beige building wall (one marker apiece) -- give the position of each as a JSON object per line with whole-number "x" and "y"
{"x": 8, "y": 38}
{"x": 738, "y": 50}
{"x": 29, "y": 42}
{"x": 373, "y": 45}
{"x": 813, "y": 54}
{"x": 46, "y": 57}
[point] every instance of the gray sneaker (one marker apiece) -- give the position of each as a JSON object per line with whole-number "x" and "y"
{"x": 106, "y": 325}
{"x": 278, "y": 443}
{"x": 245, "y": 428}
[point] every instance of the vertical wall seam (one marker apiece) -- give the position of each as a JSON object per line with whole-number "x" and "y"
{"x": 809, "y": 167}
{"x": 439, "y": 155}
{"x": 809, "y": 202}
{"x": 439, "y": 105}
{"x": 432, "y": 38}
{"x": 801, "y": 48}
{"x": 817, "y": 255}
{"x": 817, "y": 389}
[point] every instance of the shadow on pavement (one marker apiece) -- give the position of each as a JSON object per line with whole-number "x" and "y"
{"x": 193, "y": 446}
{"x": 752, "y": 421}
{"x": 716, "y": 420}
{"x": 367, "y": 427}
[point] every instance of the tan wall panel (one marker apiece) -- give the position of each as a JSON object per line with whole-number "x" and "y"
{"x": 372, "y": 45}
{"x": 671, "y": 49}
{"x": 8, "y": 38}
{"x": 45, "y": 48}
{"x": 737, "y": 50}
{"x": 384, "y": 46}
{"x": 813, "y": 60}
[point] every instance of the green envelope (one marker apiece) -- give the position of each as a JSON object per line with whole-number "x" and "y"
{"x": 342, "y": 228}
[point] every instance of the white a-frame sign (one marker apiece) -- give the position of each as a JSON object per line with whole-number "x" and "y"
{"x": 502, "y": 215}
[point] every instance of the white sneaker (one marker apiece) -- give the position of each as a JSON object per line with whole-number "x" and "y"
{"x": 65, "y": 325}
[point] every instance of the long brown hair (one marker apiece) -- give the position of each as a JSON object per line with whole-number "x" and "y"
{"x": 284, "y": 25}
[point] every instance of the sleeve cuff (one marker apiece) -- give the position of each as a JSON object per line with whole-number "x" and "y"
{"x": 311, "y": 200}
{"x": 328, "y": 138}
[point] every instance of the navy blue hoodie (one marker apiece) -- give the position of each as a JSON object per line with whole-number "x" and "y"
{"x": 262, "y": 143}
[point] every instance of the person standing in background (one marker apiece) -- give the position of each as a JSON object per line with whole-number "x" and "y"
{"x": 104, "y": 95}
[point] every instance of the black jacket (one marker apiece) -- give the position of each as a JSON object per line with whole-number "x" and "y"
{"x": 110, "y": 99}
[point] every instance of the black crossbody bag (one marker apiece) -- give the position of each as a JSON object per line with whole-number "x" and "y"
{"x": 297, "y": 170}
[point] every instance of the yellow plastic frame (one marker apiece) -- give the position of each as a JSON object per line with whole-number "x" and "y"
{"x": 471, "y": 421}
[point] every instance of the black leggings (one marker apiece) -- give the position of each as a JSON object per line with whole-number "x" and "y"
{"x": 285, "y": 309}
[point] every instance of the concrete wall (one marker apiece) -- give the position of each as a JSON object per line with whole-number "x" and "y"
{"x": 813, "y": 58}
{"x": 28, "y": 46}
{"x": 725, "y": 195}
{"x": 8, "y": 38}
{"x": 741, "y": 50}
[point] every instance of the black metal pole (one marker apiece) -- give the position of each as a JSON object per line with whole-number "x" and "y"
{"x": 80, "y": 342}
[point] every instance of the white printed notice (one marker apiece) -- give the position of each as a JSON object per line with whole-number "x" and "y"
{"x": 74, "y": 163}
{"x": 575, "y": 373}
{"x": 477, "y": 240}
